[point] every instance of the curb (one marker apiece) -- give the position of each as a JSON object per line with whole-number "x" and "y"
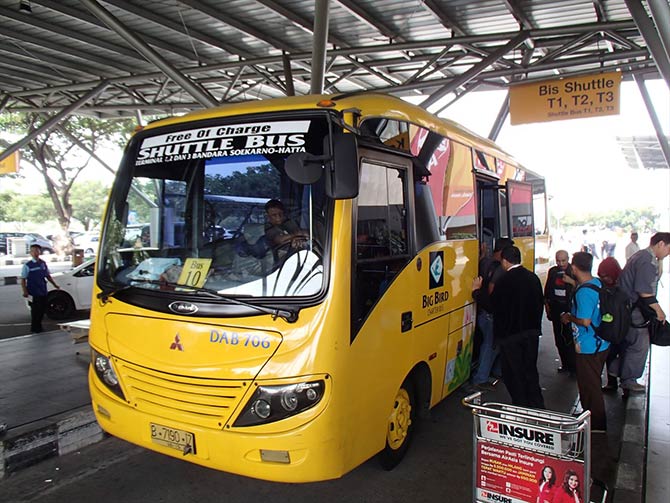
{"x": 9, "y": 280}
{"x": 630, "y": 475}
{"x": 29, "y": 444}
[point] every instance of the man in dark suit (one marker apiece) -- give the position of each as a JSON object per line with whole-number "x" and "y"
{"x": 518, "y": 303}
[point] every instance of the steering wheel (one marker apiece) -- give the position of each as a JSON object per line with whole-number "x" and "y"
{"x": 298, "y": 243}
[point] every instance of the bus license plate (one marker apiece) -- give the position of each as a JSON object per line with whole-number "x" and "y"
{"x": 180, "y": 440}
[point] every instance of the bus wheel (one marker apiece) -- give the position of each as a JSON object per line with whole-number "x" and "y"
{"x": 400, "y": 427}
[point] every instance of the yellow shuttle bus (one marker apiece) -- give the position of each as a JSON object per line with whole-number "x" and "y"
{"x": 300, "y": 290}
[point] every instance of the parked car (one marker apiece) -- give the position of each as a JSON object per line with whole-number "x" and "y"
{"x": 89, "y": 242}
{"x": 31, "y": 239}
{"x": 37, "y": 239}
{"x": 76, "y": 289}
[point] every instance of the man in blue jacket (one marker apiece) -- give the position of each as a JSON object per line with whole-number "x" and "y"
{"x": 34, "y": 276}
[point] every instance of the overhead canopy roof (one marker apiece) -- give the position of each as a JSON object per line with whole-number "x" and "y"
{"x": 115, "y": 57}
{"x": 642, "y": 152}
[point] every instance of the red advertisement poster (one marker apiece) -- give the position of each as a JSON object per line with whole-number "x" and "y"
{"x": 509, "y": 475}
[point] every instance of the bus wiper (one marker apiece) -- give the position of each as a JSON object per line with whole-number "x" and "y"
{"x": 106, "y": 293}
{"x": 290, "y": 315}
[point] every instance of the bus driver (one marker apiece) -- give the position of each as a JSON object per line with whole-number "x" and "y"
{"x": 280, "y": 231}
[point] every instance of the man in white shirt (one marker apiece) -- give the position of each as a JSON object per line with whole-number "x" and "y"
{"x": 632, "y": 248}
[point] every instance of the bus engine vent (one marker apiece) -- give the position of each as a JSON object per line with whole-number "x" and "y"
{"x": 200, "y": 401}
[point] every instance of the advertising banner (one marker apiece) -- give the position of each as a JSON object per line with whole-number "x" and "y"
{"x": 509, "y": 475}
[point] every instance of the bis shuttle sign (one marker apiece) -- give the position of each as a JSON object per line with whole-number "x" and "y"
{"x": 567, "y": 98}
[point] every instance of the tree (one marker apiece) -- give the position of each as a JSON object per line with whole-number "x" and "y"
{"x": 57, "y": 155}
{"x": 259, "y": 181}
{"x": 88, "y": 202}
{"x": 640, "y": 219}
{"x": 28, "y": 208}
{"x": 5, "y": 200}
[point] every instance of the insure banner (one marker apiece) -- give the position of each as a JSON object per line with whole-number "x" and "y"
{"x": 509, "y": 475}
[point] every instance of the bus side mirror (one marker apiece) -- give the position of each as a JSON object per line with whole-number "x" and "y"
{"x": 342, "y": 182}
{"x": 341, "y": 167}
{"x": 304, "y": 168}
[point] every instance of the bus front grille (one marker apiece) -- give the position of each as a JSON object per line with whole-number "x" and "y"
{"x": 206, "y": 402}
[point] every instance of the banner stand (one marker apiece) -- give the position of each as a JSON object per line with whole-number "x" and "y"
{"x": 524, "y": 455}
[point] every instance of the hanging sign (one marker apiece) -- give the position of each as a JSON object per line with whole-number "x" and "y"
{"x": 10, "y": 164}
{"x": 566, "y": 98}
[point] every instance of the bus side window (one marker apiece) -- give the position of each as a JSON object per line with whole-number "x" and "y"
{"x": 382, "y": 246}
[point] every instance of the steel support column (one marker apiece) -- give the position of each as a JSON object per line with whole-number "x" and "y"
{"x": 474, "y": 71}
{"x": 191, "y": 87}
{"x": 500, "y": 119}
{"x": 660, "y": 13}
{"x": 3, "y": 102}
{"x": 504, "y": 108}
{"x": 320, "y": 41}
{"x": 54, "y": 120}
{"x": 288, "y": 75}
{"x": 662, "y": 139}
{"x": 650, "y": 35}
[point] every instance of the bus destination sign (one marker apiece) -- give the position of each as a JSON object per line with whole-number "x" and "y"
{"x": 567, "y": 98}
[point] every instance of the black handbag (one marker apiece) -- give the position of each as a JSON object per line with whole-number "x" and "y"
{"x": 659, "y": 332}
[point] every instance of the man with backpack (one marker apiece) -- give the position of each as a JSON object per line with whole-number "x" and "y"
{"x": 590, "y": 350}
{"x": 639, "y": 279}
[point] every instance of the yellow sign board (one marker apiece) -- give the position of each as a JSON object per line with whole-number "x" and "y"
{"x": 194, "y": 272}
{"x": 567, "y": 98}
{"x": 10, "y": 164}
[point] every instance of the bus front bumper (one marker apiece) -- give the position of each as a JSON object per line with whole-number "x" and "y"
{"x": 303, "y": 454}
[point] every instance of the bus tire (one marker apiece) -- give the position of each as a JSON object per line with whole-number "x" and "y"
{"x": 400, "y": 426}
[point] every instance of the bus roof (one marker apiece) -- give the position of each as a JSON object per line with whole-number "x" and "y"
{"x": 370, "y": 104}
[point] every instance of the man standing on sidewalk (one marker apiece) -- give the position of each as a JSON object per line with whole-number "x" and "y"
{"x": 632, "y": 248}
{"x": 518, "y": 303}
{"x": 557, "y": 298}
{"x": 591, "y": 351}
{"x": 34, "y": 276}
{"x": 490, "y": 272}
{"x": 639, "y": 279}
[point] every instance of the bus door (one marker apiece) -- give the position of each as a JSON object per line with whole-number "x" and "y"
{"x": 492, "y": 212}
{"x": 383, "y": 238}
{"x": 521, "y": 221}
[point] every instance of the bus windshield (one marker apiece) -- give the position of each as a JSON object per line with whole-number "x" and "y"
{"x": 210, "y": 208}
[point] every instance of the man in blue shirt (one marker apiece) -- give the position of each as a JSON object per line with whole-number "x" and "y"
{"x": 590, "y": 350}
{"x": 34, "y": 276}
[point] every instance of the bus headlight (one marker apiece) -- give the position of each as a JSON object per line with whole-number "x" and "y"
{"x": 272, "y": 403}
{"x": 105, "y": 372}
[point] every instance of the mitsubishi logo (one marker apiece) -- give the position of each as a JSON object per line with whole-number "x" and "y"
{"x": 177, "y": 343}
